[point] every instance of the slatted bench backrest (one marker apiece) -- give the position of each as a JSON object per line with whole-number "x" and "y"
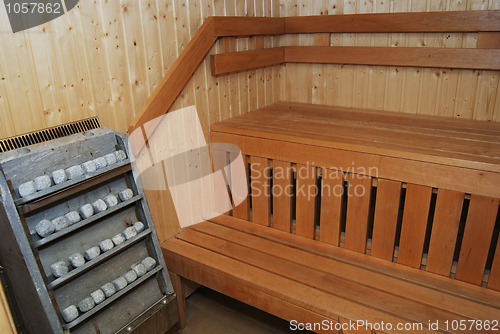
{"x": 446, "y": 232}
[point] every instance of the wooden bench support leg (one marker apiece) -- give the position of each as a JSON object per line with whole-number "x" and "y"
{"x": 181, "y": 301}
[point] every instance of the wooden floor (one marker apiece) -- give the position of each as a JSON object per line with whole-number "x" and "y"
{"x": 211, "y": 312}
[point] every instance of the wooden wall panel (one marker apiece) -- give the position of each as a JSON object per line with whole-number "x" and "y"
{"x": 454, "y": 93}
{"x": 6, "y": 323}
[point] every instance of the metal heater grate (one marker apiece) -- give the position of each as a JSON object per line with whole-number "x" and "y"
{"x": 40, "y": 136}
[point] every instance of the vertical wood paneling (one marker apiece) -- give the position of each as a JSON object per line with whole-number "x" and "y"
{"x": 260, "y": 186}
{"x": 358, "y": 206}
{"x": 282, "y": 195}
{"x": 306, "y": 200}
{"x": 331, "y": 206}
{"x": 416, "y": 211}
{"x": 477, "y": 238}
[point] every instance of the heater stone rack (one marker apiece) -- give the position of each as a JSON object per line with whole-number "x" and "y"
{"x": 43, "y": 298}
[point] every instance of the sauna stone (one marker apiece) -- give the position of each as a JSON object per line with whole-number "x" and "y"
{"x": 110, "y": 200}
{"x": 73, "y": 217}
{"x": 60, "y": 223}
{"x": 42, "y": 182}
{"x": 76, "y": 260}
{"x": 106, "y": 245}
{"x": 125, "y": 194}
{"x": 89, "y": 167}
{"x": 27, "y": 188}
{"x": 110, "y": 158}
{"x": 108, "y": 289}
{"x": 149, "y": 263}
{"x": 118, "y": 239}
{"x": 70, "y": 313}
{"x": 86, "y": 304}
{"x": 92, "y": 253}
{"x": 58, "y": 269}
{"x": 59, "y": 176}
{"x": 130, "y": 276}
{"x": 120, "y": 283}
{"x": 99, "y": 206}
{"x": 86, "y": 211}
{"x": 45, "y": 228}
{"x": 100, "y": 162}
{"x": 74, "y": 172}
{"x": 129, "y": 232}
{"x": 120, "y": 155}
{"x": 98, "y": 296}
{"x": 140, "y": 269}
{"x": 139, "y": 227}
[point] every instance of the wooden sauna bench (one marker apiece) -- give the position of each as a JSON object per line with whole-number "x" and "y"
{"x": 418, "y": 246}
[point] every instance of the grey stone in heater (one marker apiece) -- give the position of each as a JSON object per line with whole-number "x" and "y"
{"x": 27, "y": 188}
{"x": 125, "y": 194}
{"x": 106, "y": 245}
{"x": 72, "y": 217}
{"x": 139, "y": 227}
{"x": 118, "y": 239}
{"x": 89, "y": 167}
{"x": 108, "y": 289}
{"x": 110, "y": 158}
{"x": 45, "y": 228}
{"x": 59, "y": 176}
{"x": 129, "y": 232}
{"x": 70, "y": 313}
{"x": 110, "y": 200}
{"x": 149, "y": 263}
{"x": 120, "y": 283}
{"x": 86, "y": 211}
{"x": 130, "y": 276}
{"x": 76, "y": 260}
{"x": 74, "y": 172}
{"x": 100, "y": 162}
{"x": 92, "y": 253}
{"x": 86, "y": 304}
{"x": 42, "y": 182}
{"x": 98, "y": 296}
{"x": 120, "y": 155}
{"x": 140, "y": 269}
{"x": 99, "y": 206}
{"x": 58, "y": 269}
{"x": 60, "y": 223}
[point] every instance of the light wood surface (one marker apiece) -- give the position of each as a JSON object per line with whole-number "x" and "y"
{"x": 358, "y": 206}
{"x": 6, "y": 323}
{"x": 306, "y": 201}
{"x": 282, "y": 195}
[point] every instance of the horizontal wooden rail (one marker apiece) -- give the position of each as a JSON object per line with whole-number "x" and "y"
{"x": 466, "y": 21}
{"x": 487, "y": 23}
{"x": 477, "y": 59}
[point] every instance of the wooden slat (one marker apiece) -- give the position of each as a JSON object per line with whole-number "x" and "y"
{"x": 358, "y": 206}
{"x": 444, "y": 231}
{"x": 494, "y": 279}
{"x": 306, "y": 201}
{"x": 386, "y": 219}
{"x": 248, "y": 26}
{"x": 331, "y": 206}
{"x": 477, "y": 238}
{"x": 481, "y": 59}
{"x": 221, "y": 187}
{"x": 416, "y": 212}
{"x": 488, "y": 40}
{"x": 177, "y": 77}
{"x": 457, "y": 21}
{"x": 241, "y": 210}
{"x": 245, "y": 60}
{"x": 282, "y": 195}
{"x": 351, "y": 271}
{"x": 181, "y": 301}
{"x": 260, "y": 185}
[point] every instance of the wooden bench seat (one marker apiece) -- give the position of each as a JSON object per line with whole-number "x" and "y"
{"x": 419, "y": 245}
{"x": 310, "y": 282}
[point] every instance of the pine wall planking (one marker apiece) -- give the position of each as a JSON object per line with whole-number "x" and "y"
{"x": 453, "y": 93}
